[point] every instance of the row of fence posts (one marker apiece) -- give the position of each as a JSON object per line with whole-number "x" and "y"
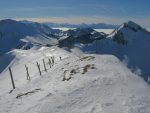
{"x": 51, "y": 62}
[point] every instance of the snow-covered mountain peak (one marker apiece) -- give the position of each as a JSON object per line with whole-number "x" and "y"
{"x": 129, "y": 32}
{"x": 12, "y": 31}
{"x": 132, "y": 25}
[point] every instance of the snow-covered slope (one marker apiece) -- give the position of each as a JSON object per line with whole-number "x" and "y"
{"x": 79, "y": 83}
{"x": 15, "y": 34}
{"x": 129, "y": 42}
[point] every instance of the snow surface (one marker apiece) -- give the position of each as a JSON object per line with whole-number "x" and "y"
{"x": 97, "y": 84}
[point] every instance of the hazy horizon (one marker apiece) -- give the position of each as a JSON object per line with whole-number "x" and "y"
{"x": 77, "y": 11}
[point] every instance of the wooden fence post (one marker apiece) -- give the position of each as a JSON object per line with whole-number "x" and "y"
{"x": 11, "y": 76}
{"x": 52, "y": 59}
{"x": 28, "y": 76}
{"x": 49, "y": 62}
{"x": 44, "y": 65}
{"x": 38, "y": 65}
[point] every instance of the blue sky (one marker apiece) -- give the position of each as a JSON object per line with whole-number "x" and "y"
{"x": 77, "y": 11}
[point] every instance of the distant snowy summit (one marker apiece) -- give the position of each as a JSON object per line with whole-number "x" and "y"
{"x": 124, "y": 33}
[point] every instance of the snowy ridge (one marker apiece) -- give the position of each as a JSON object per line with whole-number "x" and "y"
{"x": 98, "y": 83}
{"x": 128, "y": 26}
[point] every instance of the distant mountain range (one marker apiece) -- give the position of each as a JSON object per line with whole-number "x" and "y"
{"x": 93, "y": 26}
{"x": 83, "y": 25}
